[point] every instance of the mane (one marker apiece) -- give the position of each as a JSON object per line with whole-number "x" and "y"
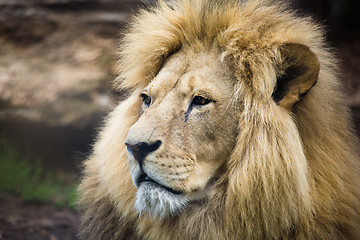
{"x": 300, "y": 167}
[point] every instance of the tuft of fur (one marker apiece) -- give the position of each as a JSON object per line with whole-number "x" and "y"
{"x": 145, "y": 201}
{"x": 292, "y": 175}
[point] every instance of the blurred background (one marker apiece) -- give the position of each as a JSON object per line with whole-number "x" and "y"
{"x": 57, "y": 63}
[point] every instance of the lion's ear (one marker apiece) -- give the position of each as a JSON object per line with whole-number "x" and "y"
{"x": 299, "y": 69}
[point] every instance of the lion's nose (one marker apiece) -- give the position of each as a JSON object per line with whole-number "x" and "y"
{"x": 142, "y": 149}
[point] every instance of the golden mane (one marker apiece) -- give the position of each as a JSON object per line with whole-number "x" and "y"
{"x": 292, "y": 175}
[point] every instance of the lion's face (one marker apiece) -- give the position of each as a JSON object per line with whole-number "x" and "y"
{"x": 185, "y": 133}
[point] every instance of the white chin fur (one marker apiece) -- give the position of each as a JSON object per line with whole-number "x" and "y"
{"x": 157, "y": 201}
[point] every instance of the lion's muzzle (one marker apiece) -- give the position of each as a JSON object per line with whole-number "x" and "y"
{"x": 140, "y": 151}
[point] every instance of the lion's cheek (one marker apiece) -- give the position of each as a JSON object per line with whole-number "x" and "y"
{"x": 201, "y": 175}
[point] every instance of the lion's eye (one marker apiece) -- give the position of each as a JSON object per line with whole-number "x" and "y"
{"x": 198, "y": 100}
{"x": 146, "y": 99}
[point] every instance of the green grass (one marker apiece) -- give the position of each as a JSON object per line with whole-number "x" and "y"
{"x": 26, "y": 178}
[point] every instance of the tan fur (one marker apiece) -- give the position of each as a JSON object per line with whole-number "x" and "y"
{"x": 293, "y": 168}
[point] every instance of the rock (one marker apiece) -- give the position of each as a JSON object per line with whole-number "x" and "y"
{"x": 57, "y": 59}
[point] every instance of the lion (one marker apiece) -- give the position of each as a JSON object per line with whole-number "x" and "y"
{"x": 235, "y": 128}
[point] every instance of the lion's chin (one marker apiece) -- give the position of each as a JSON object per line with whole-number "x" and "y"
{"x": 157, "y": 201}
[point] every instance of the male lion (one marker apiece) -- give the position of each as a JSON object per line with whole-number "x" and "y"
{"x": 236, "y": 128}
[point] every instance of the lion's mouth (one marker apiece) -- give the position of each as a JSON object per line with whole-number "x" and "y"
{"x": 145, "y": 178}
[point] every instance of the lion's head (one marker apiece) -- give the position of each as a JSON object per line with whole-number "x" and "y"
{"x": 185, "y": 134}
{"x": 230, "y": 132}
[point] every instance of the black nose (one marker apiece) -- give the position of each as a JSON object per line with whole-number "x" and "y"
{"x": 142, "y": 149}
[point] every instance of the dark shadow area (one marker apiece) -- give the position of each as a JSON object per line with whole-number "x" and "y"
{"x": 60, "y": 148}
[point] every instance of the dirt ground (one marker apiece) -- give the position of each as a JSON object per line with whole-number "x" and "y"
{"x": 29, "y": 221}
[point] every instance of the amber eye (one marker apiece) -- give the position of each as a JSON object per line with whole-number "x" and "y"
{"x": 198, "y": 100}
{"x": 146, "y": 99}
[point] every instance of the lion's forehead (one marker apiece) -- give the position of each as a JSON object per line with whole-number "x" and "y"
{"x": 186, "y": 76}
{"x": 169, "y": 75}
